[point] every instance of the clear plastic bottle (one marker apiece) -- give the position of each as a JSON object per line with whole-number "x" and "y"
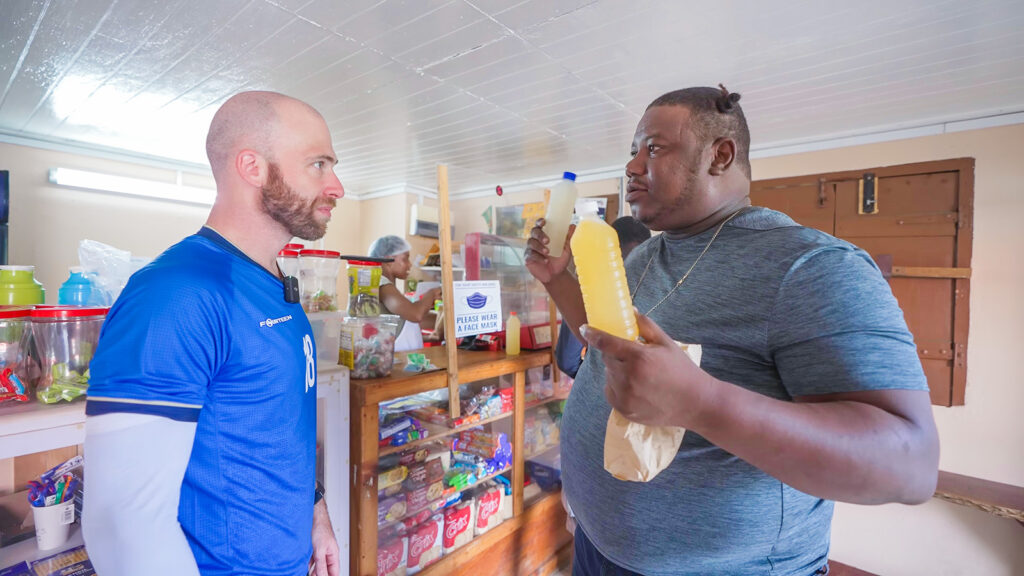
{"x": 512, "y": 328}
{"x": 595, "y": 249}
{"x": 559, "y": 214}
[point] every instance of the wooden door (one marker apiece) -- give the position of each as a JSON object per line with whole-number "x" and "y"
{"x": 810, "y": 200}
{"x": 921, "y": 237}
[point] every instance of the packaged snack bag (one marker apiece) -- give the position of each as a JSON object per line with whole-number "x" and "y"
{"x": 392, "y": 557}
{"x": 425, "y": 543}
{"x": 458, "y": 525}
{"x": 488, "y": 510}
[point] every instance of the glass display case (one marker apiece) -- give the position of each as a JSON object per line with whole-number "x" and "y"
{"x": 490, "y": 257}
{"x": 442, "y": 482}
{"x": 451, "y": 496}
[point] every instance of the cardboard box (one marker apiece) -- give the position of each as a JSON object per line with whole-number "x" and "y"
{"x": 15, "y": 518}
{"x": 546, "y": 469}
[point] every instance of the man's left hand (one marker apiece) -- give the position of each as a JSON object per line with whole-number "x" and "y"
{"x": 326, "y": 561}
{"x": 653, "y": 383}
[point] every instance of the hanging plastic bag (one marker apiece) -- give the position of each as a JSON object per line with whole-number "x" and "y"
{"x": 108, "y": 268}
{"x": 637, "y": 452}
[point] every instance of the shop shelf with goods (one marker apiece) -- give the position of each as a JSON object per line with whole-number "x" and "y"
{"x": 449, "y": 492}
{"x": 545, "y": 399}
{"x": 490, "y": 257}
{"x": 34, "y": 427}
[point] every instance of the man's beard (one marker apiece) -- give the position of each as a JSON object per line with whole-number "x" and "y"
{"x": 289, "y": 209}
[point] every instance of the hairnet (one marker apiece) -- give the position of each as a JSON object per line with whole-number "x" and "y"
{"x": 388, "y": 246}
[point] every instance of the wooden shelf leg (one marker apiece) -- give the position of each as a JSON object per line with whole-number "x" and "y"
{"x": 518, "y": 450}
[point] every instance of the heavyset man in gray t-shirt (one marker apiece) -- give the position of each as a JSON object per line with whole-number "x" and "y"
{"x": 809, "y": 389}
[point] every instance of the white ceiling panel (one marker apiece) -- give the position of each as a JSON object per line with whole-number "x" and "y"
{"x": 473, "y": 67}
{"x": 452, "y": 45}
{"x": 385, "y": 19}
{"x": 330, "y": 15}
{"x": 535, "y": 12}
{"x": 58, "y": 38}
{"x": 501, "y": 90}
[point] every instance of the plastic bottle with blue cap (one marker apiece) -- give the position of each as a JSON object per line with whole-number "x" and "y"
{"x": 76, "y": 290}
{"x": 559, "y": 213}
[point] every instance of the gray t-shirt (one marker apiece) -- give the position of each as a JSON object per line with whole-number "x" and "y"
{"x": 779, "y": 309}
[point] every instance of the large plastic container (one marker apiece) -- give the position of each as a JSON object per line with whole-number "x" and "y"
{"x": 18, "y": 286}
{"x": 363, "y": 288}
{"x": 595, "y": 249}
{"x": 288, "y": 262}
{"x": 64, "y": 341}
{"x": 16, "y": 370}
{"x": 76, "y": 290}
{"x": 559, "y": 213}
{"x": 368, "y": 345}
{"x": 318, "y": 280}
{"x": 326, "y": 333}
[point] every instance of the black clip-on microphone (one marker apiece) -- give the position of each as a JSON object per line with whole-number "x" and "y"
{"x": 291, "y": 289}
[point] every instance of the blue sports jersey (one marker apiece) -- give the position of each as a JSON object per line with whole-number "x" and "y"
{"x": 203, "y": 334}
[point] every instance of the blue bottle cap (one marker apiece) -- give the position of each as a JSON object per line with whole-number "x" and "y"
{"x": 569, "y": 176}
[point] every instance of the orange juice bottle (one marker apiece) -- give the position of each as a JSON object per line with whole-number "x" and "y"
{"x": 512, "y": 335}
{"x": 595, "y": 248}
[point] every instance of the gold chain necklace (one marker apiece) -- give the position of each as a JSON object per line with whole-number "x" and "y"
{"x": 692, "y": 266}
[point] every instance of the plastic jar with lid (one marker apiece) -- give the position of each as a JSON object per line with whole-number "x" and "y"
{"x": 367, "y": 345}
{"x": 16, "y": 370}
{"x": 288, "y": 262}
{"x": 18, "y": 286}
{"x": 65, "y": 339}
{"x": 363, "y": 285}
{"x": 318, "y": 280}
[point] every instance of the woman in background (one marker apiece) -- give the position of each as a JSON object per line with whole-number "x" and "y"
{"x": 394, "y": 302}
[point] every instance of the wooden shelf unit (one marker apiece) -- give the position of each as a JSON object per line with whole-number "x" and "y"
{"x": 438, "y": 431}
{"x": 548, "y": 400}
{"x": 545, "y": 517}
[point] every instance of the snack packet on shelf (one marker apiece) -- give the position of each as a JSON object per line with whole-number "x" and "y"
{"x": 458, "y": 525}
{"x": 488, "y": 509}
{"x": 392, "y": 557}
{"x": 425, "y": 543}
{"x": 392, "y": 508}
{"x": 391, "y": 477}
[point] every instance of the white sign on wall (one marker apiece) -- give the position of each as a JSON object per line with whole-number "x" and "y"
{"x": 477, "y": 307}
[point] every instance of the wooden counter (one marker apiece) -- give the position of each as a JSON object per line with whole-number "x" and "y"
{"x": 366, "y": 396}
{"x": 473, "y": 367}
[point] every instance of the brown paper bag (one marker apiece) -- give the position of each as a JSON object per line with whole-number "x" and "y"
{"x": 637, "y": 453}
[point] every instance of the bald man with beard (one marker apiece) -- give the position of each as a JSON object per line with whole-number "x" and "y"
{"x": 201, "y": 416}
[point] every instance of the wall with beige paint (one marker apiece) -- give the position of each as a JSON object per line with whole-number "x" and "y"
{"x": 48, "y": 221}
{"x": 982, "y": 438}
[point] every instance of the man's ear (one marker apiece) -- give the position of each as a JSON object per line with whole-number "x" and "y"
{"x": 251, "y": 167}
{"x": 723, "y": 152}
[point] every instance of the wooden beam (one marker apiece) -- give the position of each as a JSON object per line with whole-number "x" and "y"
{"x": 552, "y": 317}
{"x": 996, "y": 498}
{"x": 930, "y": 272}
{"x": 840, "y": 569}
{"x": 364, "y": 508}
{"x": 448, "y": 295}
{"x": 518, "y": 451}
